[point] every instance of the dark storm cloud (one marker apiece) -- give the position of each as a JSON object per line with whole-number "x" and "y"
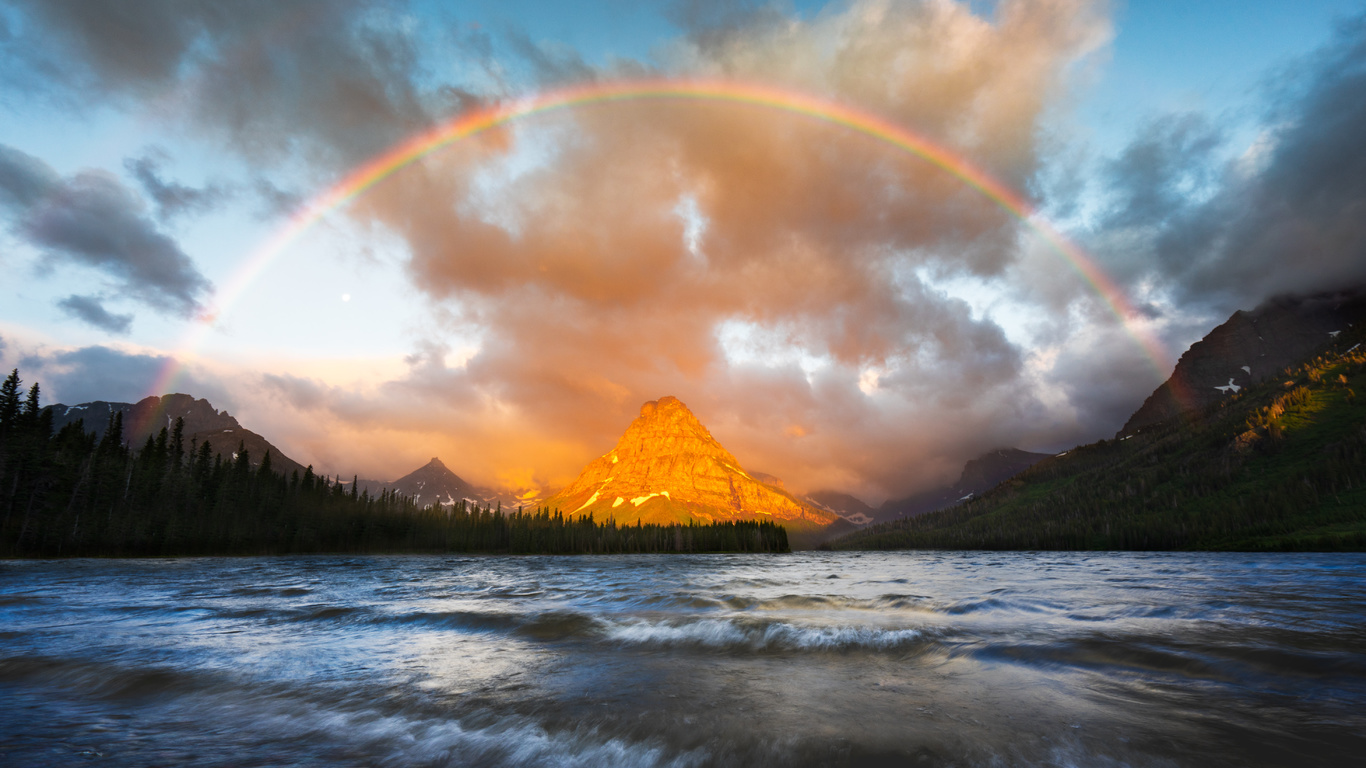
{"x": 90, "y": 309}
{"x": 137, "y": 45}
{"x": 333, "y": 81}
{"x": 173, "y": 199}
{"x": 24, "y": 179}
{"x": 92, "y": 219}
{"x": 1155, "y": 175}
{"x": 104, "y": 373}
{"x": 1287, "y": 216}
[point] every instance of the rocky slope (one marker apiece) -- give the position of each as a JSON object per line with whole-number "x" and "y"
{"x": 203, "y": 422}
{"x": 1250, "y": 347}
{"x": 668, "y": 468}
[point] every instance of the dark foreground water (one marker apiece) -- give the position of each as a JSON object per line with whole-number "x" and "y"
{"x": 915, "y": 658}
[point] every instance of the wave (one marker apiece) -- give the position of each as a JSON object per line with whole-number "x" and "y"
{"x": 731, "y": 634}
{"x": 289, "y": 724}
{"x": 271, "y": 591}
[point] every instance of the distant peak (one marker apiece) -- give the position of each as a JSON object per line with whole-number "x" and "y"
{"x": 435, "y": 462}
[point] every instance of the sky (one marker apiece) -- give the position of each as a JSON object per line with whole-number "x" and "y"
{"x": 840, "y": 312}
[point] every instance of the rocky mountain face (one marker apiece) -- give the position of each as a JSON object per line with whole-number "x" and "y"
{"x": 203, "y": 423}
{"x": 434, "y": 482}
{"x": 1250, "y": 347}
{"x": 667, "y": 468}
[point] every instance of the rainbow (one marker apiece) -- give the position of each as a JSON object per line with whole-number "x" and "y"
{"x": 477, "y": 121}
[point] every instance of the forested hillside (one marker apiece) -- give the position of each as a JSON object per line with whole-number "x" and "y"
{"x": 1279, "y": 465}
{"x": 74, "y": 493}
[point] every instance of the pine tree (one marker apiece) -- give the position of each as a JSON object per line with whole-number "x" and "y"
{"x": 178, "y": 444}
{"x": 9, "y": 402}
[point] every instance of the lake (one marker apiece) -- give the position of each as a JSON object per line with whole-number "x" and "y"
{"x": 877, "y": 659}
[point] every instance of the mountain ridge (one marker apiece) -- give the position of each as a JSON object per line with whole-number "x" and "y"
{"x": 1247, "y": 348}
{"x": 203, "y": 422}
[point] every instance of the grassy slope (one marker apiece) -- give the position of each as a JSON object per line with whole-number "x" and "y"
{"x": 1281, "y": 465}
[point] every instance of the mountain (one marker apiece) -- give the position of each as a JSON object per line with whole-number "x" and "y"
{"x": 978, "y": 475}
{"x": 203, "y": 422}
{"x": 1249, "y": 347}
{"x": 434, "y": 482}
{"x": 1278, "y": 464}
{"x": 668, "y": 468}
{"x": 842, "y": 504}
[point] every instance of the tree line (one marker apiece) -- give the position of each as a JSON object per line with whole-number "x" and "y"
{"x": 76, "y": 494}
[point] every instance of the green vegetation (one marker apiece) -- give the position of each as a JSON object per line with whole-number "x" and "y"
{"x": 73, "y": 495}
{"x": 1279, "y": 466}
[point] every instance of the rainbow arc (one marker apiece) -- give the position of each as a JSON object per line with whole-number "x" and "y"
{"x": 475, "y": 122}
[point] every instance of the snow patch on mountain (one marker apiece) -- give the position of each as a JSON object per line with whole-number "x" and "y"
{"x": 591, "y": 499}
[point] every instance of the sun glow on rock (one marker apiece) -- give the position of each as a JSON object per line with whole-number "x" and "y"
{"x": 668, "y": 456}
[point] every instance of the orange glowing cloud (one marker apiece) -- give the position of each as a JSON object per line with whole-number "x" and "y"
{"x": 754, "y": 263}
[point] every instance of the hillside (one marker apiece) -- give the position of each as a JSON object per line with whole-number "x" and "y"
{"x": 1248, "y": 348}
{"x": 1280, "y": 464}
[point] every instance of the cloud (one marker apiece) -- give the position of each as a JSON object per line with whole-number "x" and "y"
{"x": 600, "y": 256}
{"x": 274, "y": 201}
{"x": 138, "y": 44}
{"x": 1288, "y": 215}
{"x": 1156, "y": 175}
{"x": 82, "y": 375}
{"x": 173, "y": 199}
{"x": 91, "y": 219}
{"x": 90, "y": 310}
{"x": 326, "y": 82}
{"x": 24, "y": 179}
{"x": 784, "y": 277}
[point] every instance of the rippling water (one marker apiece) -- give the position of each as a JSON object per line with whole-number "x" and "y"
{"x": 891, "y": 659}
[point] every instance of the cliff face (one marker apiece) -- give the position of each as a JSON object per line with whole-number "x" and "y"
{"x": 1248, "y": 348}
{"x": 668, "y": 468}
